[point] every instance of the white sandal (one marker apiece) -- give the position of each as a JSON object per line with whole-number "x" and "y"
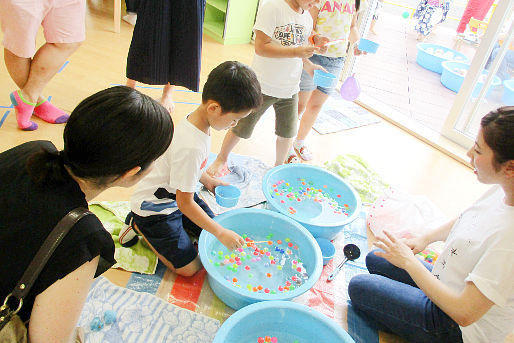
{"x": 304, "y": 153}
{"x": 292, "y": 158}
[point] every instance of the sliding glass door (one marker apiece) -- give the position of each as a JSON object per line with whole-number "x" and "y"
{"x": 493, "y": 71}
{"x": 398, "y": 83}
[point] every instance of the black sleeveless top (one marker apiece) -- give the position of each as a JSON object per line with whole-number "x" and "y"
{"x": 29, "y": 212}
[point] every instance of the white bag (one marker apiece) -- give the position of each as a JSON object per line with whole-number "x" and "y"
{"x": 403, "y": 214}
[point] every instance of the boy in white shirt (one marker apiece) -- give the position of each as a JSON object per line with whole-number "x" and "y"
{"x": 282, "y": 29}
{"x": 164, "y": 205}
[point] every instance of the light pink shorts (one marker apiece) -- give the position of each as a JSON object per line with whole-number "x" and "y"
{"x": 63, "y": 21}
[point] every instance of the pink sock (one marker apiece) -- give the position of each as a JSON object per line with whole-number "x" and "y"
{"x": 50, "y": 113}
{"x": 23, "y": 109}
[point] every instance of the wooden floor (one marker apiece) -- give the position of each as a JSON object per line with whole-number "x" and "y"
{"x": 100, "y": 62}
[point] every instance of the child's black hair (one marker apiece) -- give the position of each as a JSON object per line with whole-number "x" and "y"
{"x": 107, "y": 134}
{"x": 234, "y": 86}
{"x": 498, "y": 130}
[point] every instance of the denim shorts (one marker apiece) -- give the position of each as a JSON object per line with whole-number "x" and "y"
{"x": 168, "y": 234}
{"x": 333, "y": 65}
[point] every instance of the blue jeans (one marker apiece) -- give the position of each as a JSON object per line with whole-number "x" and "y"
{"x": 390, "y": 299}
{"x": 333, "y": 65}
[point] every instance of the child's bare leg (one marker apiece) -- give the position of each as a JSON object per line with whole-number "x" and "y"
{"x": 188, "y": 270}
{"x": 191, "y": 268}
{"x": 372, "y": 26}
{"x": 282, "y": 149}
{"x": 303, "y": 99}
{"x": 229, "y": 142}
{"x": 131, "y": 83}
{"x": 312, "y": 110}
{"x": 167, "y": 98}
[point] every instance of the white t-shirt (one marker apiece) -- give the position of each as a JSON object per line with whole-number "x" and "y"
{"x": 334, "y": 22}
{"x": 480, "y": 249}
{"x": 180, "y": 167}
{"x": 280, "y": 77}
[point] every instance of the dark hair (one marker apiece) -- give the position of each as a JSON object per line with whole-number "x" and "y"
{"x": 498, "y": 131}
{"x": 107, "y": 134}
{"x": 234, "y": 86}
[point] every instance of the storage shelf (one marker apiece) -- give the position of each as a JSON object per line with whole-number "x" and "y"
{"x": 230, "y": 21}
{"x": 214, "y": 27}
{"x": 218, "y": 4}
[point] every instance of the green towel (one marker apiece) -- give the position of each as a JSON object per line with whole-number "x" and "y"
{"x": 354, "y": 170}
{"x": 139, "y": 257}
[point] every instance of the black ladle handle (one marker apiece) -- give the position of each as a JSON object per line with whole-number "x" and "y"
{"x": 351, "y": 252}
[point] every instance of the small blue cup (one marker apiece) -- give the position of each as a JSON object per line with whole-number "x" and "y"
{"x": 368, "y": 46}
{"x": 227, "y": 196}
{"x": 327, "y": 249}
{"x": 324, "y": 79}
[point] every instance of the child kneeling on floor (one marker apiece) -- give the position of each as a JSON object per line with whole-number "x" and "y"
{"x": 164, "y": 206}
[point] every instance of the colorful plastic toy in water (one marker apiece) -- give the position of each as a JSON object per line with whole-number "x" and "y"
{"x": 277, "y": 265}
{"x": 350, "y": 89}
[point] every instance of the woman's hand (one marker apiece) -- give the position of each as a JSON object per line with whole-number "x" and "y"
{"x": 230, "y": 239}
{"x": 416, "y": 244}
{"x": 395, "y": 251}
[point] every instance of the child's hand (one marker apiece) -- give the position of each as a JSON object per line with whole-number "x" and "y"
{"x": 310, "y": 68}
{"x": 211, "y": 182}
{"x": 358, "y": 52}
{"x": 230, "y": 239}
{"x": 305, "y": 51}
{"x": 320, "y": 42}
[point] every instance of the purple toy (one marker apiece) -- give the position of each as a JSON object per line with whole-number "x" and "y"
{"x": 350, "y": 89}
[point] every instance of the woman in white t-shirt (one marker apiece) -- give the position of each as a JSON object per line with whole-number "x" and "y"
{"x": 468, "y": 295}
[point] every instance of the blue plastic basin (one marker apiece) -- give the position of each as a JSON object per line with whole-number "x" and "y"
{"x": 324, "y": 79}
{"x": 287, "y": 321}
{"x": 453, "y": 80}
{"x": 508, "y": 92}
{"x": 368, "y": 46}
{"x": 227, "y": 196}
{"x": 320, "y": 218}
{"x": 327, "y": 249}
{"x": 257, "y": 224}
{"x": 431, "y": 61}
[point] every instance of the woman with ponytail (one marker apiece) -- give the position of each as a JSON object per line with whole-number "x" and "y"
{"x": 468, "y": 294}
{"x": 111, "y": 139}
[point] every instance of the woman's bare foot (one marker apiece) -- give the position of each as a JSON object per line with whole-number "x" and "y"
{"x": 168, "y": 104}
{"x": 167, "y": 98}
{"x": 218, "y": 168}
{"x": 131, "y": 83}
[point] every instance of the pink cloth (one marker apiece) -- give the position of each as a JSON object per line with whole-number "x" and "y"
{"x": 476, "y": 9}
{"x": 63, "y": 21}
